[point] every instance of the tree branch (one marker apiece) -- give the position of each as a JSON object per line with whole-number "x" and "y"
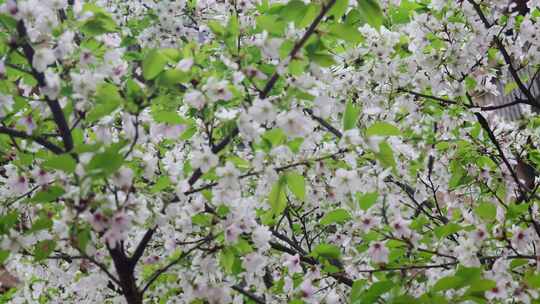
{"x": 40, "y": 140}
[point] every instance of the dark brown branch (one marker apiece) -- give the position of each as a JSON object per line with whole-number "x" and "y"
{"x": 325, "y": 124}
{"x": 410, "y": 267}
{"x": 453, "y": 102}
{"x": 340, "y": 277}
{"x": 249, "y": 294}
{"x": 160, "y": 271}
{"x": 142, "y": 246}
{"x": 507, "y": 59}
{"x": 40, "y": 140}
{"x": 54, "y": 105}
{"x": 483, "y": 122}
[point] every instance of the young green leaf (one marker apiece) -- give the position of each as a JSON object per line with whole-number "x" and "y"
{"x": 153, "y": 64}
{"x": 337, "y": 216}
{"x": 278, "y": 198}
{"x": 297, "y": 185}
{"x": 63, "y": 162}
{"x": 350, "y": 116}
{"x": 382, "y": 128}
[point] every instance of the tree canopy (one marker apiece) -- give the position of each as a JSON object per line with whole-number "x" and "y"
{"x": 269, "y": 151}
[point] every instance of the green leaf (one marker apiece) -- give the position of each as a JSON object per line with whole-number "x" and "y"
{"x": 105, "y": 163}
{"x": 271, "y": 24}
{"x": 515, "y": 210}
{"x": 324, "y": 60}
{"x": 4, "y": 254}
{"x": 100, "y": 23}
{"x": 337, "y": 216}
{"x": 173, "y": 76}
{"x": 169, "y": 117}
{"x": 327, "y": 251}
{"x": 375, "y": 291}
{"x": 202, "y": 219}
{"x": 309, "y": 15}
{"x": 350, "y": 116}
{"x": 43, "y": 249}
{"x": 402, "y": 14}
{"x": 278, "y": 198}
{"x": 63, "y": 162}
{"x": 509, "y": 87}
{"x": 446, "y": 230}
{"x": 486, "y": 211}
{"x": 229, "y": 261}
{"x": 108, "y": 99}
{"x": 7, "y": 221}
{"x": 216, "y": 28}
{"x": 382, "y": 128}
{"x": 274, "y": 137}
{"x": 42, "y": 223}
{"x": 481, "y": 285}
{"x": 162, "y": 183}
{"x": 83, "y": 238}
{"x": 297, "y": 185}
{"x": 339, "y": 8}
{"x": 294, "y": 11}
{"x": 153, "y": 64}
{"x": 346, "y": 32}
{"x": 533, "y": 280}
{"x": 366, "y": 200}
{"x": 446, "y": 283}
{"x": 48, "y": 194}
{"x": 371, "y": 12}
{"x": 356, "y": 290}
{"x": 386, "y": 155}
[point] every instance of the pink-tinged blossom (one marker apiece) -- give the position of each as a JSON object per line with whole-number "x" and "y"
{"x": 195, "y": 99}
{"x": 99, "y": 221}
{"x": 262, "y": 111}
{"x": 497, "y": 292}
{"x": 367, "y": 221}
{"x": 307, "y": 291}
{"x": 6, "y": 104}
{"x": 292, "y": 262}
{"x": 466, "y": 252}
{"x": 28, "y": 123}
{"x": 479, "y": 234}
{"x": 18, "y": 184}
{"x": 346, "y": 181}
{"x": 2, "y": 69}
{"x": 185, "y": 64}
{"x": 217, "y": 89}
{"x": 254, "y": 264}
{"x": 261, "y": 237}
{"x": 123, "y": 178}
{"x": 41, "y": 176}
{"x": 400, "y": 228}
{"x": 53, "y": 85}
{"x": 323, "y": 106}
{"x": 43, "y": 57}
{"x": 228, "y": 175}
{"x": 521, "y": 238}
{"x": 232, "y": 232}
{"x": 294, "y": 123}
{"x": 10, "y": 8}
{"x": 204, "y": 160}
{"x": 378, "y": 252}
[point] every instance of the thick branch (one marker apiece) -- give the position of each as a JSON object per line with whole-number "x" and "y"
{"x": 507, "y": 59}
{"x": 483, "y": 122}
{"x": 40, "y": 140}
{"x": 54, "y": 105}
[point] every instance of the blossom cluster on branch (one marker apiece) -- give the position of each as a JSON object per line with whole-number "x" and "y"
{"x": 269, "y": 151}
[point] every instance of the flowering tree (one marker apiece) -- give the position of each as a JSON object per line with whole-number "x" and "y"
{"x": 329, "y": 151}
